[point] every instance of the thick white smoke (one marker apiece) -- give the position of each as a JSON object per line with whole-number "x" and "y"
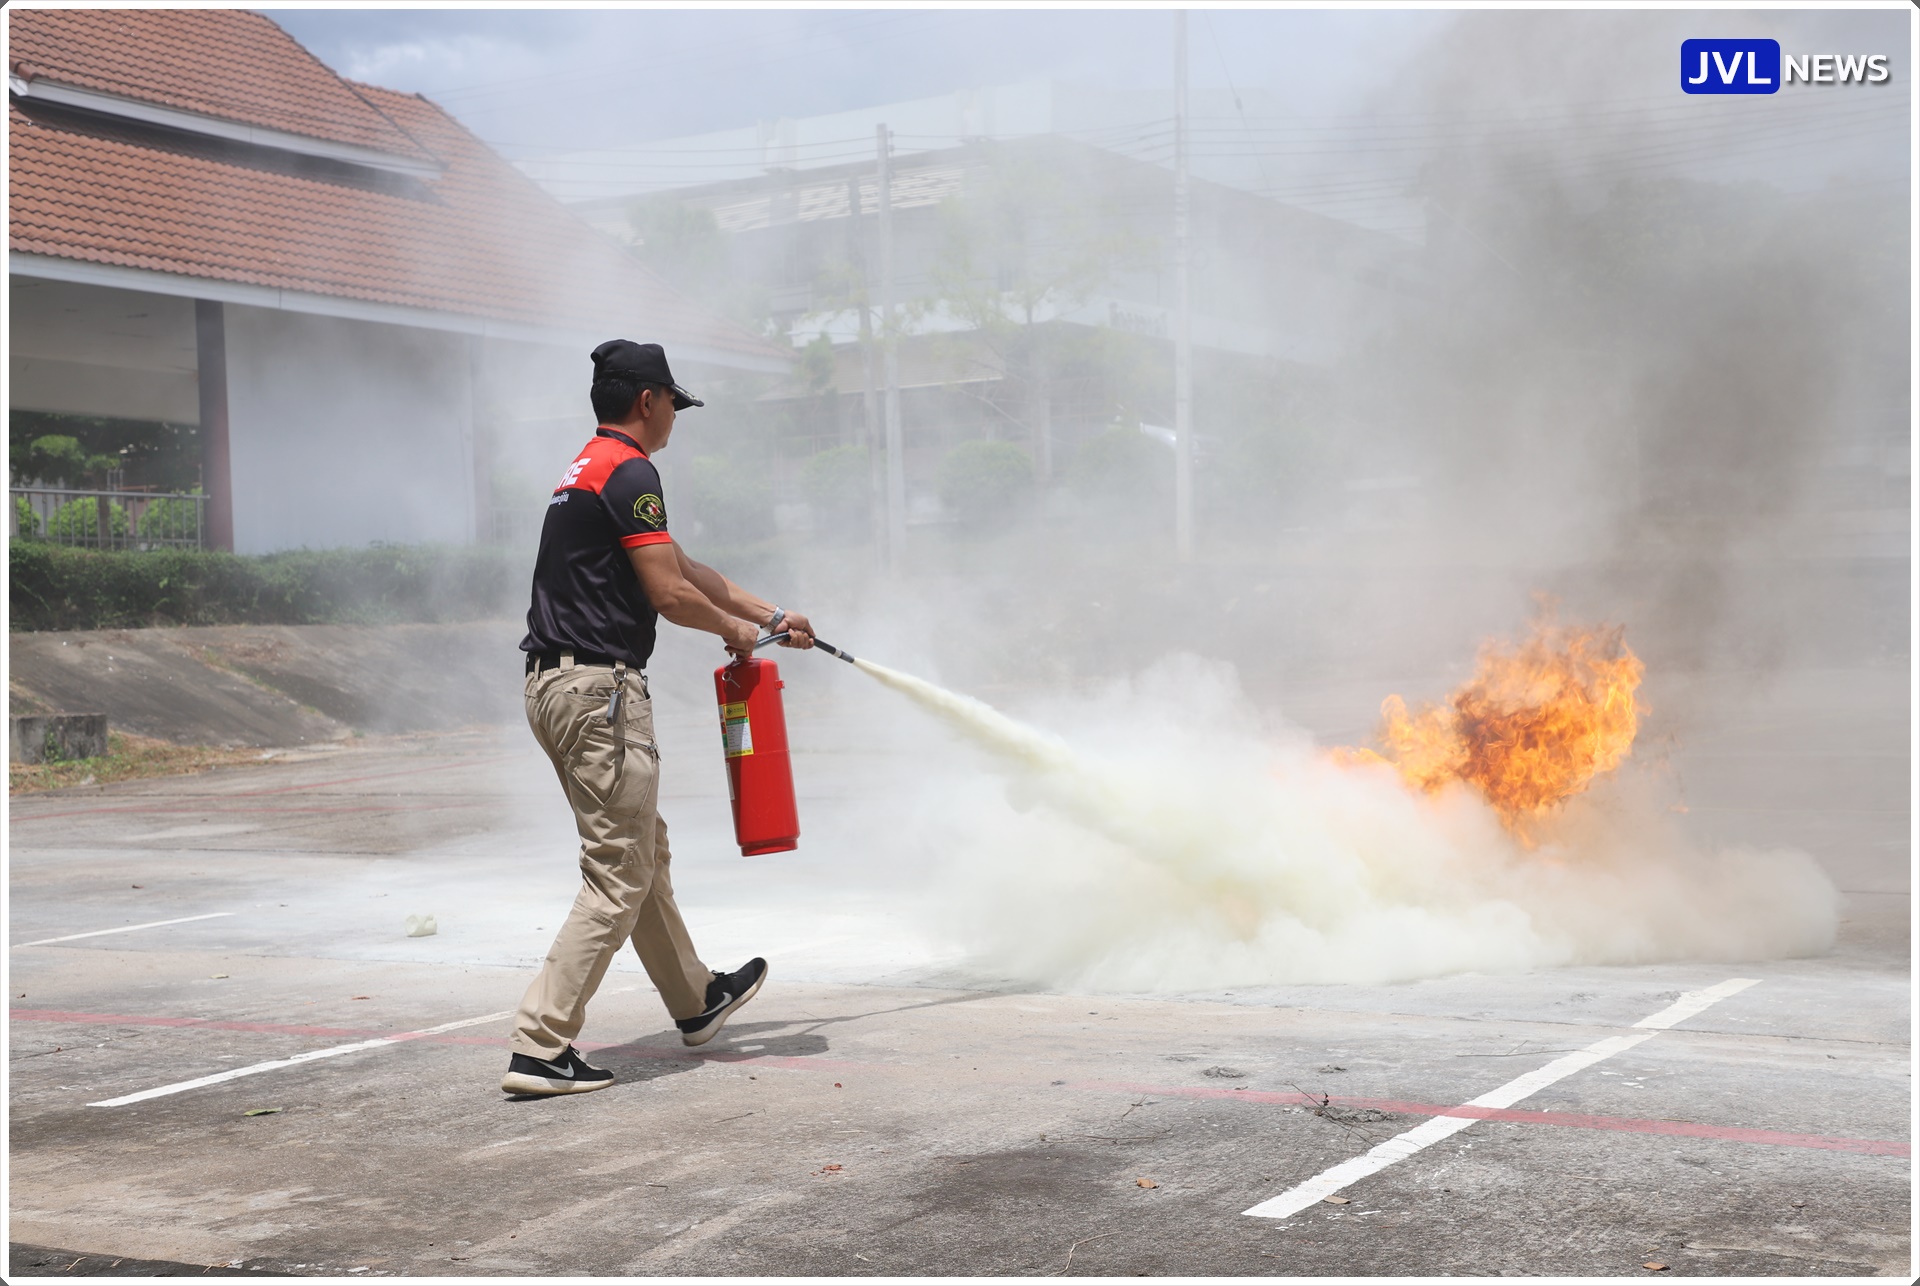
{"x": 1166, "y": 841}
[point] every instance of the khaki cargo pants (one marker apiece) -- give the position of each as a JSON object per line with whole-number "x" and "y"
{"x": 611, "y": 773}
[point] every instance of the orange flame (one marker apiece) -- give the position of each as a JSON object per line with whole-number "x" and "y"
{"x": 1535, "y": 726}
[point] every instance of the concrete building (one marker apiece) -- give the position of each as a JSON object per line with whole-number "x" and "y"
{"x": 1032, "y": 257}
{"x": 358, "y": 303}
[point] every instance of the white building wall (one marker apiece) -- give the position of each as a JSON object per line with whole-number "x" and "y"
{"x": 345, "y": 432}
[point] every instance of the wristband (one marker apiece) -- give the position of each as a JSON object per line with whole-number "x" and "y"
{"x": 779, "y": 615}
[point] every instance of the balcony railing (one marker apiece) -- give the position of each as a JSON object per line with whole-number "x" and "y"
{"x": 108, "y": 519}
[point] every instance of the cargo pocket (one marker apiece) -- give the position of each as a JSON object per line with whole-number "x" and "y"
{"x": 592, "y": 749}
{"x": 636, "y": 719}
{"x": 641, "y": 778}
{"x": 636, "y": 736}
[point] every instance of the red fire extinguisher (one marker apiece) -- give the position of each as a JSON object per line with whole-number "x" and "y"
{"x": 753, "y": 728}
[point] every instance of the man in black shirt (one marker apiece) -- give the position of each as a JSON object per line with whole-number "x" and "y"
{"x": 607, "y": 569}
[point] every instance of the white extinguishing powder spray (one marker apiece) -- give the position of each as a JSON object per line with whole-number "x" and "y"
{"x": 1007, "y": 737}
{"x": 1167, "y": 845}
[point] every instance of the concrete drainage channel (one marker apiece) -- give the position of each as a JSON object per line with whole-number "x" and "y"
{"x": 55, "y": 738}
{"x": 260, "y": 685}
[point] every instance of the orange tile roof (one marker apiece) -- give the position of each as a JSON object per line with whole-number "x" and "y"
{"x": 481, "y": 240}
{"x": 227, "y": 63}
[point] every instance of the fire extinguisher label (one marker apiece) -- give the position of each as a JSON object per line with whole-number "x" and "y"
{"x": 735, "y": 731}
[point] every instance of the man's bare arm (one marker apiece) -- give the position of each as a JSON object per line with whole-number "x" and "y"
{"x": 681, "y": 599}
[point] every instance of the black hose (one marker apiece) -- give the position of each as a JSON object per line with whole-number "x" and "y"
{"x": 824, "y": 646}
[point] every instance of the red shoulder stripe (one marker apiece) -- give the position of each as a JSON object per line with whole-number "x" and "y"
{"x": 595, "y": 463}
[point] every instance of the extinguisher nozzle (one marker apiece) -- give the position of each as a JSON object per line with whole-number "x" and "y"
{"x": 831, "y": 650}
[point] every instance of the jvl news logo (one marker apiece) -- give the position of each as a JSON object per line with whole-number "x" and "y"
{"x": 1756, "y": 67}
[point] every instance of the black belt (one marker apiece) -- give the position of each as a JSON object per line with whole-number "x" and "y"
{"x": 537, "y": 661}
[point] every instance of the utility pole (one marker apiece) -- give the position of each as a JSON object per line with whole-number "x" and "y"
{"x": 890, "y": 362}
{"x": 1182, "y": 307}
{"x": 876, "y": 441}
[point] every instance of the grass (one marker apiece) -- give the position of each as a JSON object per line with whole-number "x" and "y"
{"x": 129, "y": 757}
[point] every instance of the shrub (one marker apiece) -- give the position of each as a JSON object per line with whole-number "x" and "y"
{"x": 78, "y": 522}
{"x": 1274, "y": 470}
{"x": 729, "y": 504}
{"x": 169, "y": 520}
{"x": 51, "y": 587}
{"x": 984, "y": 483}
{"x": 1119, "y": 467}
{"x": 839, "y": 488}
{"x": 25, "y": 518}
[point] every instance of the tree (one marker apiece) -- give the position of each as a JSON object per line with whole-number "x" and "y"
{"x": 59, "y": 458}
{"x": 684, "y": 244}
{"x": 835, "y": 482}
{"x": 1031, "y": 237}
{"x": 80, "y": 450}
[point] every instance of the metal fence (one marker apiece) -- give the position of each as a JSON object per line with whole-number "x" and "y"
{"x": 518, "y": 528}
{"x": 108, "y": 519}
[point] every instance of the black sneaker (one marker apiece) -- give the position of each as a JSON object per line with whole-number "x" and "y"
{"x": 726, "y": 993}
{"x": 567, "y": 1074}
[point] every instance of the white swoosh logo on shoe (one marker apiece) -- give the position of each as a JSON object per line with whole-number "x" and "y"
{"x": 726, "y": 998}
{"x": 563, "y": 1070}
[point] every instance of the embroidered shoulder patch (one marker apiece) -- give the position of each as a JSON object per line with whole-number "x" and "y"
{"x": 650, "y": 510}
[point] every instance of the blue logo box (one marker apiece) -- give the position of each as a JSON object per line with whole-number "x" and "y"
{"x": 1730, "y": 66}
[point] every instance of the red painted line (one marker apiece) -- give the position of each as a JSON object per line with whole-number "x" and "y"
{"x": 215, "y": 810}
{"x": 201, "y": 1024}
{"x": 212, "y": 803}
{"x": 1572, "y": 1120}
{"x": 379, "y": 776}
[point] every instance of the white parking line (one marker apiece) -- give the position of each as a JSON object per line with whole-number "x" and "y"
{"x": 125, "y": 928}
{"x": 1428, "y": 1133}
{"x": 308, "y": 1057}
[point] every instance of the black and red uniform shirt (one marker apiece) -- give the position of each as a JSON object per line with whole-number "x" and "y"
{"x": 585, "y": 595}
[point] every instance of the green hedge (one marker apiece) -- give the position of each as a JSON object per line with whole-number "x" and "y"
{"x": 51, "y": 587}
{"x": 985, "y": 483}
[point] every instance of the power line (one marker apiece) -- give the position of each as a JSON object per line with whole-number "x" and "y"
{"x": 649, "y": 150}
{"x": 1298, "y": 140}
{"x": 624, "y": 166}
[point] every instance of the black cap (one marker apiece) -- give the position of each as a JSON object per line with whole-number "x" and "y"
{"x": 642, "y": 363}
